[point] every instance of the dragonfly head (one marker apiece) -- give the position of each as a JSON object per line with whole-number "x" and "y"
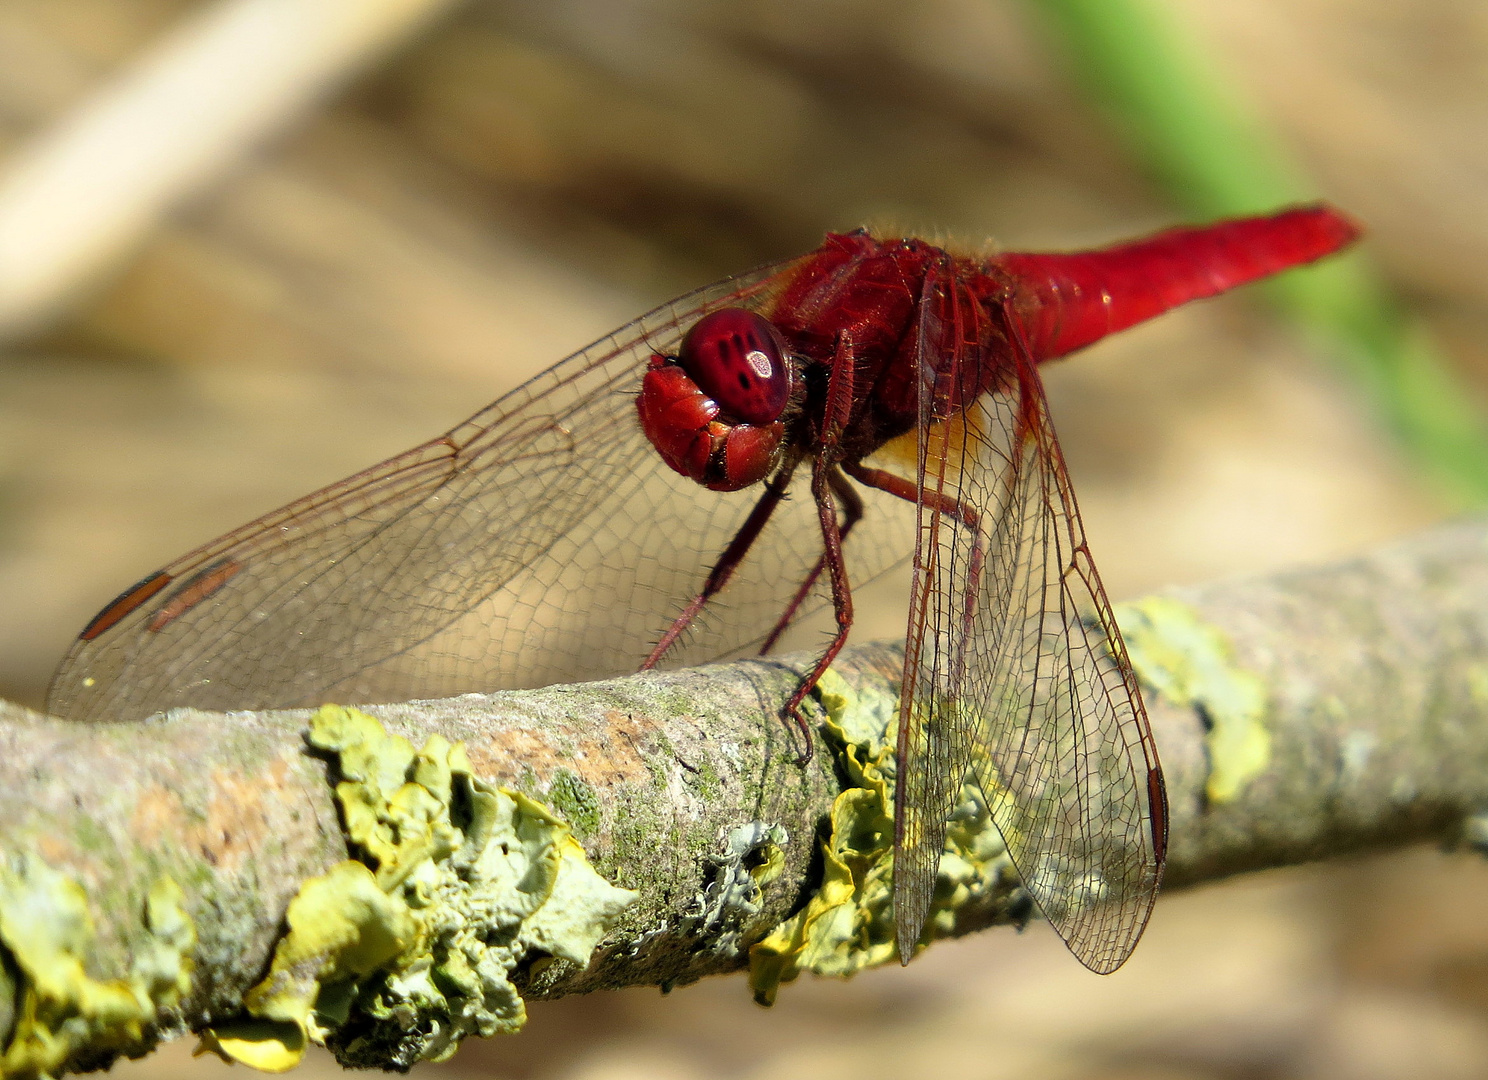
{"x": 714, "y": 413}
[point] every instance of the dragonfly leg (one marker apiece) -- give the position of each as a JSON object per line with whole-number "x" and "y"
{"x": 852, "y": 513}
{"x": 909, "y": 491}
{"x": 821, "y": 489}
{"x": 729, "y": 561}
{"x": 836, "y": 415}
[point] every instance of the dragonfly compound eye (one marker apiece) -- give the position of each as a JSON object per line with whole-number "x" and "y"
{"x": 738, "y": 359}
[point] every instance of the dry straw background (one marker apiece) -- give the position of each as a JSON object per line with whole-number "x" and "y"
{"x": 446, "y": 198}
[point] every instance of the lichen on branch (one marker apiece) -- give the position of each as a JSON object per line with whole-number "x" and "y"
{"x": 396, "y": 956}
{"x": 336, "y": 871}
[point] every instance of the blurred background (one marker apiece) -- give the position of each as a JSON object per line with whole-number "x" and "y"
{"x": 247, "y": 248}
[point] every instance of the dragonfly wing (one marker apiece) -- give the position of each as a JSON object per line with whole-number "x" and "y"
{"x": 1023, "y": 677}
{"x": 933, "y": 753}
{"x": 543, "y": 540}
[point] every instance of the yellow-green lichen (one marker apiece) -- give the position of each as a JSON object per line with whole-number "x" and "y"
{"x": 848, "y": 924}
{"x": 397, "y": 958}
{"x": 1190, "y": 663}
{"x": 62, "y": 1012}
{"x": 342, "y": 927}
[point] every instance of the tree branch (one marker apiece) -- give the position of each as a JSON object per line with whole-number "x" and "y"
{"x": 1299, "y": 717}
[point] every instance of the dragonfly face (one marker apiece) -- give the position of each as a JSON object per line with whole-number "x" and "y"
{"x": 715, "y": 411}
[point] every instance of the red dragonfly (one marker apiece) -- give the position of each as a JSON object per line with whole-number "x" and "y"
{"x": 587, "y": 523}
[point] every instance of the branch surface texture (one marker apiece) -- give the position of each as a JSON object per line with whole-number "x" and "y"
{"x": 391, "y": 881}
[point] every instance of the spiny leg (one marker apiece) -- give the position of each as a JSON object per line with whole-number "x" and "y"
{"x": 729, "y": 561}
{"x": 852, "y": 513}
{"x": 910, "y": 492}
{"x": 841, "y": 595}
{"x": 834, "y": 422}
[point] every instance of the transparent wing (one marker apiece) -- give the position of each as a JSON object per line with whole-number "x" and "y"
{"x": 542, "y": 540}
{"x": 1017, "y": 669}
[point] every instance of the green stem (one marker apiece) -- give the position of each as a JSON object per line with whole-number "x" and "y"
{"x": 1195, "y": 134}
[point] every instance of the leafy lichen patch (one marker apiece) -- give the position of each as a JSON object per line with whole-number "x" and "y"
{"x": 342, "y": 927}
{"x": 61, "y": 1011}
{"x": 1191, "y": 663}
{"x": 753, "y": 856}
{"x": 848, "y": 924}
{"x": 398, "y": 957}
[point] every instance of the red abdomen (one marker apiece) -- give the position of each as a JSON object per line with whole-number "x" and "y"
{"x": 1067, "y": 301}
